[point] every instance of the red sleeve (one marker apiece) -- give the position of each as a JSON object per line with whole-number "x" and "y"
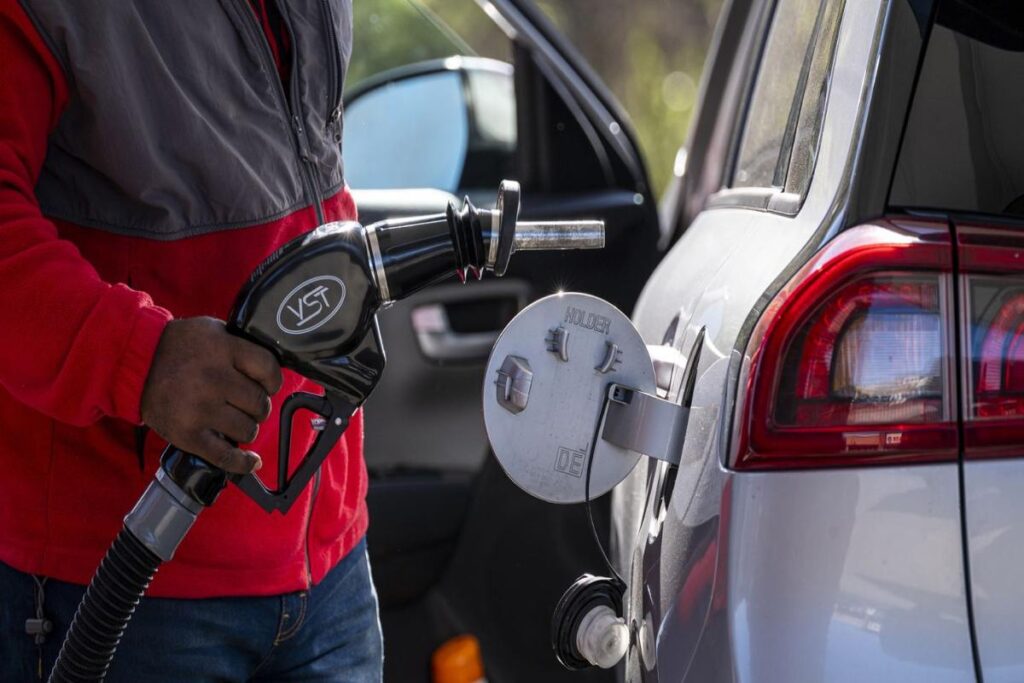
{"x": 71, "y": 345}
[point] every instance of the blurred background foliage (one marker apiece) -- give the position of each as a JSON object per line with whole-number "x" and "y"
{"x": 649, "y": 52}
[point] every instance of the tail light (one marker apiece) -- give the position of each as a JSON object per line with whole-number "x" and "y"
{"x": 994, "y": 334}
{"x": 850, "y": 364}
{"x": 999, "y": 390}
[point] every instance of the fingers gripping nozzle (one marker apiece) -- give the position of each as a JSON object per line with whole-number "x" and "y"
{"x": 409, "y": 254}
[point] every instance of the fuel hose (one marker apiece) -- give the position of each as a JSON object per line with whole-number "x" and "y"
{"x": 108, "y": 605}
{"x": 184, "y": 485}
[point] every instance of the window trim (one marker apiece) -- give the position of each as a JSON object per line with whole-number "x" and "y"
{"x": 797, "y": 112}
{"x": 760, "y": 27}
{"x": 774, "y": 199}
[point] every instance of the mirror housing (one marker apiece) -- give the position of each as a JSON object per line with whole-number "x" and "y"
{"x": 446, "y": 124}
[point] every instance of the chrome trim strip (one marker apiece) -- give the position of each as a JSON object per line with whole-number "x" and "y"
{"x": 493, "y": 238}
{"x": 377, "y": 263}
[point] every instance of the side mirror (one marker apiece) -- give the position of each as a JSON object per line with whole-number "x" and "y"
{"x": 445, "y": 124}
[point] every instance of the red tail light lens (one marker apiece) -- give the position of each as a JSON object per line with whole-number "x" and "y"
{"x": 872, "y": 354}
{"x": 999, "y": 390}
{"x": 850, "y": 365}
{"x": 994, "y": 411}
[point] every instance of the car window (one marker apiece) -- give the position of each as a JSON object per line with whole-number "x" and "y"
{"x": 963, "y": 149}
{"x": 388, "y": 34}
{"x": 650, "y": 54}
{"x": 803, "y": 142}
{"x": 779, "y": 142}
{"x": 429, "y": 97}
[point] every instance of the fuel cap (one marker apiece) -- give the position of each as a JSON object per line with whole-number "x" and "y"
{"x": 545, "y": 389}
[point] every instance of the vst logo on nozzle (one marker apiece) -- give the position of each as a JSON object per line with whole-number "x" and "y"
{"x": 311, "y": 304}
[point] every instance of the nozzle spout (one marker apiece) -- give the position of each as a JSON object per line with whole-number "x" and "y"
{"x": 543, "y": 235}
{"x": 408, "y": 254}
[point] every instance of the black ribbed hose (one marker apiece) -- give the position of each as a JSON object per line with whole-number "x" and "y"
{"x": 108, "y": 605}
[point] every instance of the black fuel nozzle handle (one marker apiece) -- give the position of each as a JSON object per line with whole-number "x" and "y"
{"x": 333, "y": 415}
{"x": 411, "y": 253}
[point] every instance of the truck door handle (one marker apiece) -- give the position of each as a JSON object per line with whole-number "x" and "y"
{"x": 439, "y": 342}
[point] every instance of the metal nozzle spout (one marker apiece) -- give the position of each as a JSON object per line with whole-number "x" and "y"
{"x": 407, "y": 254}
{"x": 540, "y": 235}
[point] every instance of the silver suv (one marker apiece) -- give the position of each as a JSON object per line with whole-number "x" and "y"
{"x": 849, "y": 501}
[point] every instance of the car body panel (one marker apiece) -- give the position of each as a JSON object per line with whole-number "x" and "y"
{"x": 713, "y": 596}
{"x": 993, "y": 476}
{"x": 848, "y": 575}
{"x": 951, "y": 102}
{"x": 994, "y": 501}
{"x": 716, "y": 273}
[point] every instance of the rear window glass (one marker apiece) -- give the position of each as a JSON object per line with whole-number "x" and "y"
{"x": 963, "y": 149}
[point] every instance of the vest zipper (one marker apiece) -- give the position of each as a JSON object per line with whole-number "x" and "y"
{"x": 310, "y": 184}
{"x": 300, "y": 131}
{"x": 300, "y": 143}
{"x": 309, "y": 161}
{"x": 309, "y": 523}
{"x": 334, "y": 101}
{"x": 310, "y": 166}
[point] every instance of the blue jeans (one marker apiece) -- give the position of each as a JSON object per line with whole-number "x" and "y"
{"x": 329, "y": 633}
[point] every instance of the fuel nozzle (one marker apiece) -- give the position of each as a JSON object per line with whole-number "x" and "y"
{"x": 409, "y": 254}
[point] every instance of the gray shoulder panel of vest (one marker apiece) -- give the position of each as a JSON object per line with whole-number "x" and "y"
{"x": 177, "y": 123}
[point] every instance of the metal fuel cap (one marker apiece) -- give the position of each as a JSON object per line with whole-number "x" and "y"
{"x": 544, "y": 394}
